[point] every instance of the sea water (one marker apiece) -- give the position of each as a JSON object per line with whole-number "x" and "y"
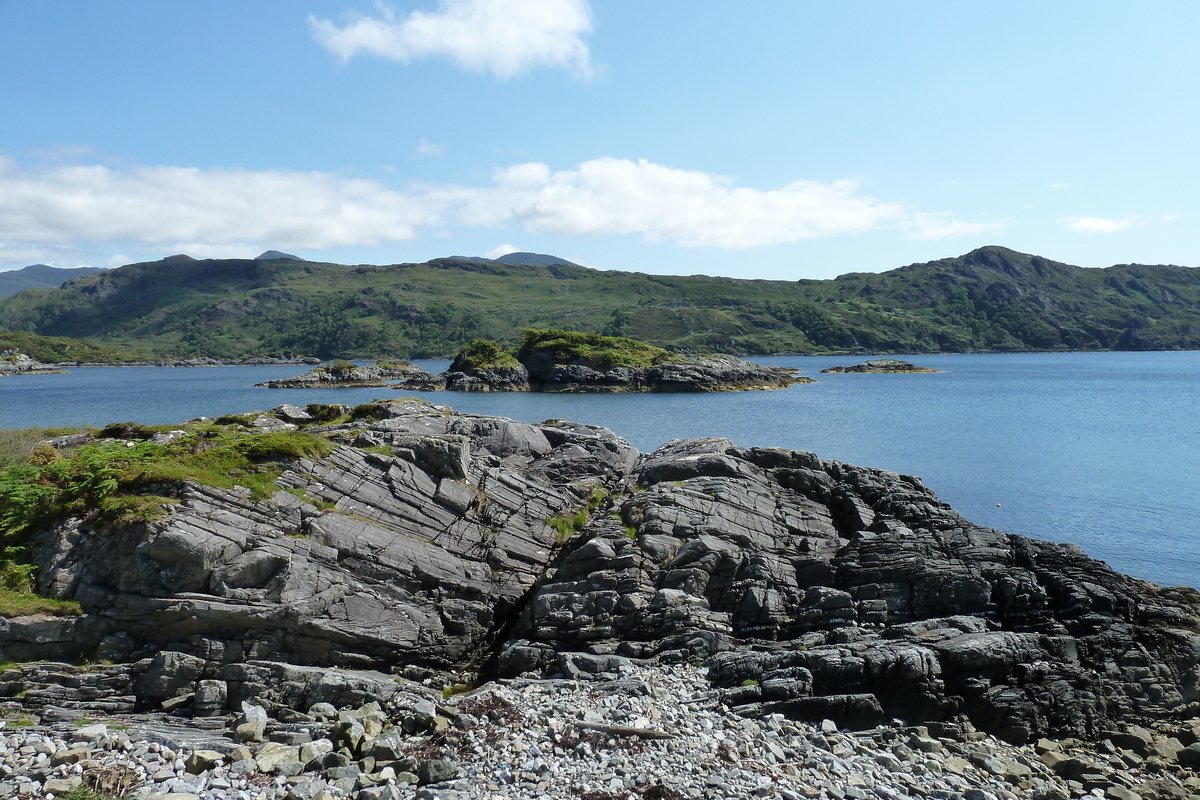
{"x": 1099, "y": 449}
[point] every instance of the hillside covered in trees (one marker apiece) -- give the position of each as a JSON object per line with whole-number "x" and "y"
{"x": 991, "y": 299}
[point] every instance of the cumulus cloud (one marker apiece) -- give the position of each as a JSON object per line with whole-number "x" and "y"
{"x": 1093, "y": 225}
{"x": 217, "y": 207}
{"x": 693, "y": 209}
{"x": 504, "y": 37}
{"x": 94, "y": 210}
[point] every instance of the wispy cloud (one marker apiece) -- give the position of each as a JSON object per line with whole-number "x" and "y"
{"x": 504, "y": 37}
{"x": 943, "y": 225}
{"x": 427, "y": 149}
{"x": 1094, "y": 225}
{"x": 96, "y": 209}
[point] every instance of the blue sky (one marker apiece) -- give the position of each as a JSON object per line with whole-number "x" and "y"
{"x": 763, "y": 140}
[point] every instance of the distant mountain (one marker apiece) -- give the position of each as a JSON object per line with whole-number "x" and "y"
{"x": 990, "y": 300}
{"x": 274, "y": 255}
{"x": 534, "y": 258}
{"x": 39, "y": 276}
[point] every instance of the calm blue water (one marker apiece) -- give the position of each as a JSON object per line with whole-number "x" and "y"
{"x": 1100, "y": 449}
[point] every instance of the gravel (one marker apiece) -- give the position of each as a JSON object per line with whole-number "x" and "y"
{"x": 649, "y": 733}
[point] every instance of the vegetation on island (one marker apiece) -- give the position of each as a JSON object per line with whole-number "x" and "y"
{"x": 589, "y": 349}
{"x": 543, "y": 347}
{"x": 482, "y": 354}
{"x": 992, "y": 299}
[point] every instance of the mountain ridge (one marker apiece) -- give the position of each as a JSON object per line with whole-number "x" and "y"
{"x": 990, "y": 299}
{"x": 39, "y": 276}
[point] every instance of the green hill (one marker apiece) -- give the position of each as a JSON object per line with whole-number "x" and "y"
{"x": 991, "y": 299}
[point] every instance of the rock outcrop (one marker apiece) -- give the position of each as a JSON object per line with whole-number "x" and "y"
{"x": 15, "y": 363}
{"x": 881, "y": 366}
{"x": 823, "y": 590}
{"x": 347, "y": 375}
{"x": 370, "y": 560}
{"x": 432, "y": 542}
{"x": 707, "y": 374}
{"x": 701, "y": 374}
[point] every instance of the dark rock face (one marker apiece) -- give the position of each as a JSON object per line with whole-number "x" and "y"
{"x": 823, "y": 590}
{"x": 417, "y": 558}
{"x": 811, "y": 588}
{"x": 710, "y": 374}
{"x": 497, "y": 379}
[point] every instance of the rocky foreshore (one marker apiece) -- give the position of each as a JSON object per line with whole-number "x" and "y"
{"x": 543, "y": 611}
{"x": 641, "y": 731}
{"x": 18, "y": 363}
{"x": 203, "y": 361}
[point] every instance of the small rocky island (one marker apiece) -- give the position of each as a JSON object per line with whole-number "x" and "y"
{"x": 566, "y": 361}
{"x": 881, "y": 366}
{"x": 13, "y": 362}
{"x": 340, "y": 374}
{"x": 398, "y": 600}
{"x": 556, "y": 361}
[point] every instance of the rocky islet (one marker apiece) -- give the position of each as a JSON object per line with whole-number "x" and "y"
{"x": 881, "y": 366}
{"x": 785, "y": 595}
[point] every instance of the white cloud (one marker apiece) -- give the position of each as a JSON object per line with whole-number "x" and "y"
{"x": 217, "y": 207}
{"x": 693, "y": 209}
{"x": 502, "y": 250}
{"x": 91, "y": 211}
{"x": 427, "y": 149}
{"x": 1092, "y": 225}
{"x": 504, "y": 37}
{"x": 941, "y": 226}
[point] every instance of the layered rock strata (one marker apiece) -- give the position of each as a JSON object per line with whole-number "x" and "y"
{"x": 415, "y": 557}
{"x": 824, "y": 590}
{"x": 432, "y": 543}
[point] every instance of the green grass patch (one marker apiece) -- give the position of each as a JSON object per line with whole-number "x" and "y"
{"x": 568, "y": 525}
{"x": 22, "y": 604}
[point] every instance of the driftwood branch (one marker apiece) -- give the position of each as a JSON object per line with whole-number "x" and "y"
{"x": 622, "y": 730}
